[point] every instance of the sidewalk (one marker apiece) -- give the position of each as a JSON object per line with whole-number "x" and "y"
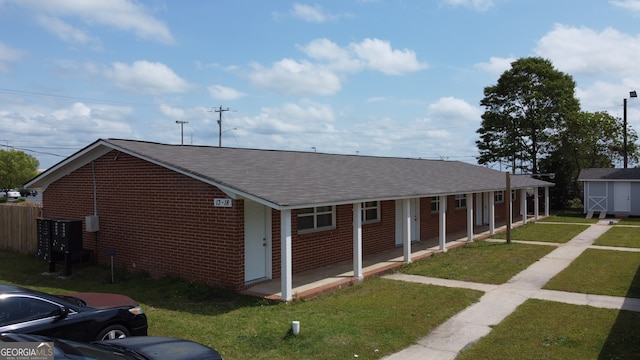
{"x": 499, "y": 301}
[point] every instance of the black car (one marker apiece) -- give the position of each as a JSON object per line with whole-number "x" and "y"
{"x": 132, "y": 348}
{"x": 27, "y": 192}
{"x": 79, "y": 316}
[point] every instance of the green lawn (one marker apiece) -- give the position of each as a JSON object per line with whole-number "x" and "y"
{"x": 373, "y": 319}
{"x": 557, "y": 233}
{"x": 621, "y": 236}
{"x": 379, "y": 317}
{"x": 564, "y": 218}
{"x": 549, "y": 330}
{"x": 604, "y": 272}
{"x": 480, "y": 261}
{"x": 630, "y": 221}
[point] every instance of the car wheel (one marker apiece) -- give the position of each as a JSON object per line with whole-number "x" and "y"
{"x": 113, "y": 332}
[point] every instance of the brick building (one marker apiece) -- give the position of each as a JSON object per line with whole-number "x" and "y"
{"x": 234, "y": 217}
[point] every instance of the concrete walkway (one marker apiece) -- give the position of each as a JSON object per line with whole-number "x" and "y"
{"x": 468, "y": 326}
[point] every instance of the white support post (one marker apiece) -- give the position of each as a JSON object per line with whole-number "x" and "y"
{"x": 469, "y": 217}
{"x": 357, "y": 241}
{"x": 492, "y": 213}
{"x": 443, "y": 223}
{"x": 406, "y": 232}
{"x": 536, "y": 204}
{"x": 546, "y": 201}
{"x": 286, "y": 285}
{"x": 523, "y": 205}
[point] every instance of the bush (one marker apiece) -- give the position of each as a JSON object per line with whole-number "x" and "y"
{"x": 575, "y": 204}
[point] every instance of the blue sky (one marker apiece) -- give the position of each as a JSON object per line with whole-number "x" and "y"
{"x": 370, "y": 77}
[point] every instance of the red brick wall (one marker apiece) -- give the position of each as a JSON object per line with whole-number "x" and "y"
{"x": 317, "y": 249}
{"x": 155, "y": 219}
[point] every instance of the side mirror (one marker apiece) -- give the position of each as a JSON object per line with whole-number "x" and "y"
{"x": 64, "y": 311}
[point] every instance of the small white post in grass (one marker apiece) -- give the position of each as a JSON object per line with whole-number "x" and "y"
{"x": 295, "y": 327}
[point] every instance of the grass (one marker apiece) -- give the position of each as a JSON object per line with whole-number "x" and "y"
{"x": 557, "y": 233}
{"x": 372, "y": 319}
{"x": 602, "y": 272}
{"x": 379, "y": 317}
{"x": 620, "y": 236}
{"x": 549, "y": 330}
{"x": 480, "y": 261}
{"x": 630, "y": 221}
{"x": 568, "y": 219}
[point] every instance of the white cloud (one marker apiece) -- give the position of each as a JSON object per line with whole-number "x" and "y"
{"x": 584, "y": 51}
{"x": 8, "y": 56}
{"x": 309, "y": 13}
{"x": 146, "y": 77}
{"x": 297, "y": 123}
{"x": 477, "y": 5}
{"x": 496, "y": 65}
{"x": 291, "y": 76}
{"x": 219, "y": 92}
{"x": 65, "y": 31}
{"x": 333, "y": 62}
{"x": 124, "y": 15}
{"x": 313, "y": 14}
{"x": 633, "y": 5}
{"x": 450, "y": 110}
{"x": 378, "y": 55}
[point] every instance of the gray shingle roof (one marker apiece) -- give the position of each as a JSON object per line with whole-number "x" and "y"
{"x": 609, "y": 174}
{"x": 291, "y": 178}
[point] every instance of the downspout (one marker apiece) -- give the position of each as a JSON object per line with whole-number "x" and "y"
{"x": 95, "y": 203}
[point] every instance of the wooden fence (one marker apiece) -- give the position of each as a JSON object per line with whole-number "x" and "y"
{"x": 18, "y": 227}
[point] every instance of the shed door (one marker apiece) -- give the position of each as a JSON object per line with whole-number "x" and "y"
{"x": 255, "y": 241}
{"x": 622, "y": 197}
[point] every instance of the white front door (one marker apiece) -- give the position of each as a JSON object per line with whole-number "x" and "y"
{"x": 414, "y": 213}
{"x": 256, "y": 241}
{"x": 622, "y": 197}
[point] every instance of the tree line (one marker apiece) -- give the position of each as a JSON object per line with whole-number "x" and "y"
{"x": 533, "y": 124}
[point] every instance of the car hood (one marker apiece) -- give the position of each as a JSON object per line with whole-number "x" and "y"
{"x": 153, "y": 347}
{"x": 104, "y": 301}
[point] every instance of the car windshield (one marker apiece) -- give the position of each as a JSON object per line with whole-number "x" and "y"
{"x": 82, "y": 351}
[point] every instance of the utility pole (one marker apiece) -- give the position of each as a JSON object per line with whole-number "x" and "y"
{"x": 509, "y": 210}
{"x": 220, "y": 110}
{"x": 181, "y": 130}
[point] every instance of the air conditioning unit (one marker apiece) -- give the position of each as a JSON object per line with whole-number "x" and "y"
{"x": 92, "y": 223}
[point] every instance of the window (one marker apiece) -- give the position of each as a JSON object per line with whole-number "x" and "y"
{"x": 461, "y": 201}
{"x": 498, "y": 196}
{"x": 316, "y": 218}
{"x": 370, "y": 211}
{"x": 513, "y": 195}
{"x": 17, "y": 309}
{"x": 435, "y": 204}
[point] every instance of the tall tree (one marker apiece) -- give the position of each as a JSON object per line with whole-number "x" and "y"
{"x": 16, "y": 168}
{"x": 524, "y": 112}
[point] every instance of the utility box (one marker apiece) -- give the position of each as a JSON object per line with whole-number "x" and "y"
{"x": 92, "y": 223}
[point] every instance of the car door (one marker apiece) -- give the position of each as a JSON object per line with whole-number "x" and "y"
{"x": 33, "y": 315}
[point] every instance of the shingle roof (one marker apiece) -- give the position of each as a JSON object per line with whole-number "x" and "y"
{"x": 609, "y": 174}
{"x": 295, "y": 179}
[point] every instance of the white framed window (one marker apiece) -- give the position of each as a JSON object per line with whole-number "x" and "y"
{"x": 498, "y": 197}
{"x": 370, "y": 211}
{"x": 316, "y": 218}
{"x": 513, "y": 195}
{"x": 435, "y": 204}
{"x": 461, "y": 201}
